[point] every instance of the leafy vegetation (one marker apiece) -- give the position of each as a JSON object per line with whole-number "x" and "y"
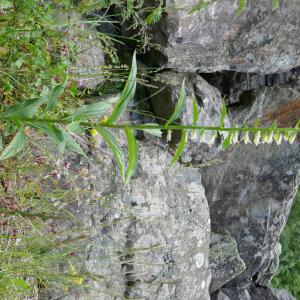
{"x": 41, "y": 101}
{"x": 288, "y": 275}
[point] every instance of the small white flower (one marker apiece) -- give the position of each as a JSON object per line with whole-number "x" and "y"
{"x": 246, "y": 137}
{"x": 169, "y": 135}
{"x": 257, "y": 137}
{"x": 212, "y": 138}
{"x": 193, "y": 135}
{"x": 270, "y": 136}
{"x": 292, "y": 137}
{"x": 234, "y": 137}
{"x": 278, "y": 137}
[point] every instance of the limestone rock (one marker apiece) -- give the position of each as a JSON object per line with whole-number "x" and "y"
{"x": 201, "y": 147}
{"x": 224, "y": 260}
{"x": 253, "y": 293}
{"x": 261, "y": 39}
{"x": 250, "y": 195}
{"x": 151, "y": 238}
{"x": 90, "y": 56}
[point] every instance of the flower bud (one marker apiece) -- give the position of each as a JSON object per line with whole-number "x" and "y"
{"x": 278, "y": 137}
{"x": 246, "y": 137}
{"x": 292, "y": 137}
{"x": 257, "y": 137}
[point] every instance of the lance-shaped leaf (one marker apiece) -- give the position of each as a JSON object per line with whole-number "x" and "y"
{"x": 154, "y": 16}
{"x": 15, "y": 146}
{"x": 195, "y": 112}
{"x": 132, "y": 154}
{"x": 23, "y": 110}
{"x": 242, "y": 6}
{"x": 179, "y": 105}
{"x": 127, "y": 93}
{"x": 59, "y": 136}
{"x": 51, "y": 97}
{"x": 223, "y": 113}
{"x": 227, "y": 141}
{"x": 179, "y": 150}
{"x": 115, "y": 148}
{"x": 97, "y": 109}
{"x": 154, "y": 132}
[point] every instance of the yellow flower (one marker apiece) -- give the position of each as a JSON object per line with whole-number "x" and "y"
{"x": 93, "y": 132}
{"x": 77, "y": 280}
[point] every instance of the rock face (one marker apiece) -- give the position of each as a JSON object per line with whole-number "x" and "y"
{"x": 224, "y": 260}
{"x": 253, "y": 293}
{"x": 259, "y": 40}
{"x": 90, "y": 57}
{"x": 150, "y": 239}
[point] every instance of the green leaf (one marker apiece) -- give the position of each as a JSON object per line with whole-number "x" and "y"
{"x": 115, "y": 148}
{"x": 181, "y": 146}
{"x": 23, "y": 110}
{"x": 132, "y": 154}
{"x": 75, "y": 127}
{"x": 154, "y": 132}
{"x": 59, "y": 136}
{"x": 179, "y": 105}
{"x": 276, "y": 4}
{"x": 21, "y": 284}
{"x": 242, "y": 6}
{"x": 202, "y": 4}
{"x": 226, "y": 142}
{"x": 127, "y": 93}
{"x": 15, "y": 146}
{"x": 154, "y": 16}
{"x": 72, "y": 145}
{"x": 223, "y": 113}
{"x": 51, "y": 97}
{"x": 195, "y": 112}
{"x": 297, "y": 124}
{"x": 92, "y": 110}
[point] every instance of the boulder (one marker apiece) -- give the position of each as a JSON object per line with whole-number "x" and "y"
{"x": 261, "y": 39}
{"x": 250, "y": 195}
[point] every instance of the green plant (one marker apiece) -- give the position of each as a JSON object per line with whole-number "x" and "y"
{"x": 288, "y": 274}
{"x": 60, "y": 130}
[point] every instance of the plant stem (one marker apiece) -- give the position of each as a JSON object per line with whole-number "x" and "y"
{"x": 147, "y": 126}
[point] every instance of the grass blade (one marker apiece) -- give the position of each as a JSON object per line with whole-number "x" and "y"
{"x": 181, "y": 146}
{"x": 242, "y": 6}
{"x": 223, "y": 113}
{"x": 195, "y": 112}
{"x": 92, "y": 110}
{"x": 127, "y": 93}
{"x": 15, "y": 146}
{"x": 132, "y": 154}
{"x": 115, "y": 148}
{"x": 179, "y": 105}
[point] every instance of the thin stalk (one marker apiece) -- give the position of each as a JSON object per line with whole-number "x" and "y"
{"x": 147, "y": 126}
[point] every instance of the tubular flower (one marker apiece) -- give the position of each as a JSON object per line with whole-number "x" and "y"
{"x": 270, "y": 136}
{"x": 278, "y": 137}
{"x": 257, "y": 137}
{"x": 246, "y": 137}
{"x": 234, "y": 138}
{"x": 292, "y": 137}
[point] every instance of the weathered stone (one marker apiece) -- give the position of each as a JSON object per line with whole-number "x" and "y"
{"x": 260, "y": 40}
{"x": 150, "y": 239}
{"x": 200, "y": 147}
{"x": 90, "y": 57}
{"x": 252, "y": 293}
{"x": 224, "y": 260}
{"x": 250, "y": 195}
{"x": 233, "y": 84}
